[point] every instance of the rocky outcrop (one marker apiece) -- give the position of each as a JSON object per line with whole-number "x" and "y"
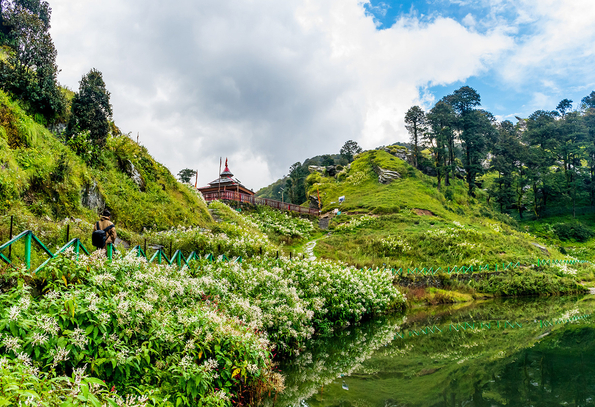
{"x": 386, "y": 176}
{"x": 313, "y": 202}
{"x": 91, "y": 197}
{"x": 130, "y": 170}
{"x": 316, "y": 168}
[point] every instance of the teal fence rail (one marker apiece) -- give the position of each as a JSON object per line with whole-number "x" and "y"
{"x": 477, "y": 269}
{"x": 30, "y": 241}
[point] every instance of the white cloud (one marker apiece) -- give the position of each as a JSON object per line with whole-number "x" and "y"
{"x": 264, "y": 82}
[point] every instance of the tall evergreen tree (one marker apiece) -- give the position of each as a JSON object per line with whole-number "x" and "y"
{"x": 475, "y": 131}
{"x": 30, "y": 71}
{"x": 415, "y": 122}
{"x": 91, "y": 109}
{"x": 441, "y": 120}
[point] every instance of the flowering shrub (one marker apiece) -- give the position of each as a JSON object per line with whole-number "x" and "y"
{"x": 280, "y": 223}
{"x": 23, "y": 384}
{"x": 355, "y": 223}
{"x": 133, "y": 324}
{"x": 228, "y": 239}
{"x": 291, "y": 300}
{"x": 194, "y": 336}
{"x": 392, "y": 246}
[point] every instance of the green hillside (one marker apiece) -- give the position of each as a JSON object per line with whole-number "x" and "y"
{"x": 43, "y": 181}
{"x": 410, "y": 223}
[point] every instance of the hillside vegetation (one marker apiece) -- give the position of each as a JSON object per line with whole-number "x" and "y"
{"x": 408, "y": 223}
{"x": 43, "y": 181}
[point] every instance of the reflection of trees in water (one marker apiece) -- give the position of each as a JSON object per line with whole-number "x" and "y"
{"x": 560, "y": 370}
{"x": 330, "y": 358}
{"x": 513, "y": 367}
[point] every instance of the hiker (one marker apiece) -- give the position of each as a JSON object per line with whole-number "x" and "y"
{"x": 104, "y": 231}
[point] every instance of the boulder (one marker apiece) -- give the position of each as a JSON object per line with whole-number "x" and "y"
{"x": 386, "y": 176}
{"x": 331, "y": 170}
{"x": 91, "y": 197}
{"x": 316, "y": 168}
{"x": 313, "y": 202}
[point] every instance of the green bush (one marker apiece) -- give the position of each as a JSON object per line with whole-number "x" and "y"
{"x": 573, "y": 231}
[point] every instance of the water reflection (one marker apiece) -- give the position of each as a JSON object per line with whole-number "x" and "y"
{"x": 525, "y": 363}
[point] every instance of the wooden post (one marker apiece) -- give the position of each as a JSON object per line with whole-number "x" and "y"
{"x": 170, "y": 244}
{"x": 145, "y": 247}
{"x": 68, "y": 233}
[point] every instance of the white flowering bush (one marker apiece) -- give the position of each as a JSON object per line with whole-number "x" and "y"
{"x": 136, "y": 326}
{"x": 292, "y": 300}
{"x": 195, "y": 336}
{"x": 228, "y": 239}
{"x": 23, "y": 384}
{"x": 271, "y": 221}
{"x": 354, "y": 223}
{"x": 392, "y": 246}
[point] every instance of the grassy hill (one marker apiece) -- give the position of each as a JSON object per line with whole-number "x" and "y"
{"x": 42, "y": 182}
{"x": 410, "y": 223}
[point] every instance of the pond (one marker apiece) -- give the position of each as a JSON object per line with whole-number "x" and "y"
{"x": 511, "y": 352}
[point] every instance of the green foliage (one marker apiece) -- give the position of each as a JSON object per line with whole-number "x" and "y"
{"x": 532, "y": 281}
{"x": 91, "y": 109}
{"x": 281, "y": 225}
{"x": 30, "y": 71}
{"x": 186, "y": 175}
{"x": 349, "y": 150}
{"x": 573, "y": 231}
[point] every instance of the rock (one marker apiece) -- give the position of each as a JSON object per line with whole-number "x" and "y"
{"x": 542, "y": 248}
{"x": 313, "y": 202}
{"x": 316, "y": 168}
{"x": 91, "y": 197}
{"x": 323, "y": 222}
{"x": 123, "y": 243}
{"x": 331, "y": 170}
{"x": 133, "y": 173}
{"x": 386, "y": 176}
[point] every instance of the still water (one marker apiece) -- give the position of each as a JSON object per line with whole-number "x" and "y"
{"x": 515, "y": 352}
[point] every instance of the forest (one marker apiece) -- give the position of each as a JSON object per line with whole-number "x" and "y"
{"x": 543, "y": 162}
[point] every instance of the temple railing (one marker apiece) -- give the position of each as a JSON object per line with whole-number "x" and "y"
{"x": 254, "y": 200}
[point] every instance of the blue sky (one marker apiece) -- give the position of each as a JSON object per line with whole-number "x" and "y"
{"x": 268, "y": 83}
{"x": 499, "y": 96}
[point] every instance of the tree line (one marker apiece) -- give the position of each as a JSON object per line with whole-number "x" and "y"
{"x": 546, "y": 160}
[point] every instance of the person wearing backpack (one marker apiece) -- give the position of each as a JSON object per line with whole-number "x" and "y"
{"x": 104, "y": 231}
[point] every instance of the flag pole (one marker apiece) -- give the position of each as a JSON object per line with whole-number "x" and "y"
{"x": 219, "y": 180}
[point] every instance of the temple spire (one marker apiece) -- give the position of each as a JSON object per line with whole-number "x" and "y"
{"x": 226, "y": 173}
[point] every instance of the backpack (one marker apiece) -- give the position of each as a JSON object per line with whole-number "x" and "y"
{"x": 99, "y": 237}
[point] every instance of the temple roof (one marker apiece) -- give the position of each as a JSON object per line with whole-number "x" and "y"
{"x": 225, "y": 180}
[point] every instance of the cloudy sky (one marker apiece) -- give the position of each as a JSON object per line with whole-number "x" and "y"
{"x": 268, "y": 83}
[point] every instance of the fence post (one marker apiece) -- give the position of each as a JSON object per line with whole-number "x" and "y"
{"x": 10, "y": 247}
{"x": 145, "y": 247}
{"x": 77, "y": 247}
{"x": 170, "y": 244}
{"x": 28, "y": 250}
{"x": 109, "y": 251}
{"x": 68, "y": 233}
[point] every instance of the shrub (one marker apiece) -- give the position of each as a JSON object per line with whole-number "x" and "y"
{"x": 573, "y": 231}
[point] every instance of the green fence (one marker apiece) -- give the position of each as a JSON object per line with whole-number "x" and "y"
{"x": 30, "y": 241}
{"x": 476, "y": 269}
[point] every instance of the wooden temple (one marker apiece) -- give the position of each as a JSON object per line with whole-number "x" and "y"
{"x": 226, "y": 182}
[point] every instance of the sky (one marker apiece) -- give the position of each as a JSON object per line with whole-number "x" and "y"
{"x": 267, "y": 83}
